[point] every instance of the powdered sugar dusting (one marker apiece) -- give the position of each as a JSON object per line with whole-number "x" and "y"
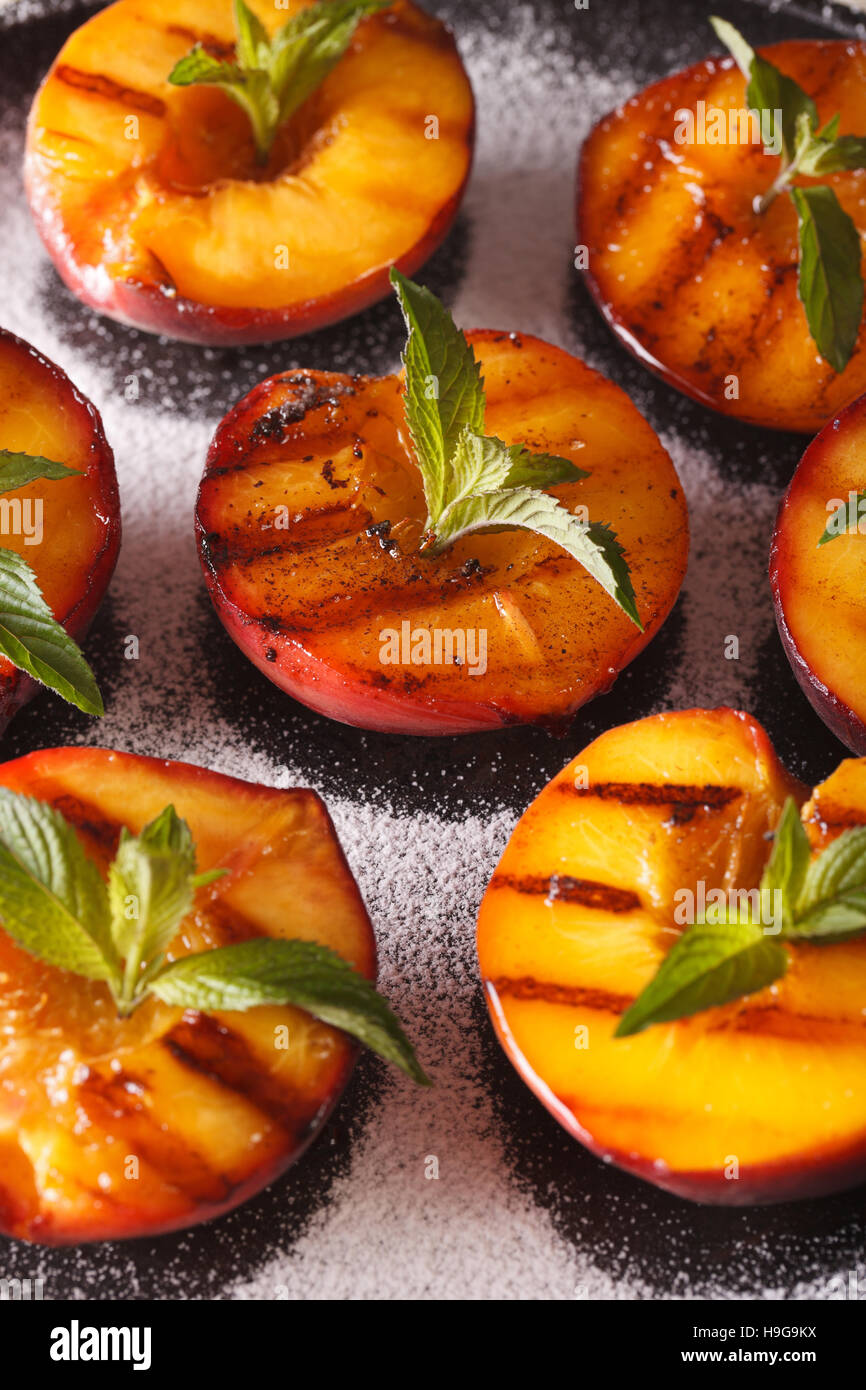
{"x": 422, "y": 841}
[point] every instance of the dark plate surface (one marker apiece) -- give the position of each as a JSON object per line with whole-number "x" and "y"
{"x": 193, "y": 695}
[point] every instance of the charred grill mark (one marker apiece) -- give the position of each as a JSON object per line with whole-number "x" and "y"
{"x": 120, "y": 1098}
{"x": 217, "y": 48}
{"x": 97, "y": 84}
{"x": 205, "y": 1046}
{"x": 322, "y": 526}
{"x": 682, "y": 798}
{"x": 311, "y": 395}
{"x": 90, "y": 820}
{"x": 602, "y": 897}
{"x": 572, "y": 996}
{"x": 231, "y": 924}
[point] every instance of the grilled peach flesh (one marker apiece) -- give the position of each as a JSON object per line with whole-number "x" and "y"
{"x": 73, "y": 551}
{"x": 155, "y": 211}
{"x": 818, "y": 589}
{"x": 114, "y": 1127}
{"x": 695, "y": 282}
{"x": 760, "y": 1100}
{"x": 311, "y": 511}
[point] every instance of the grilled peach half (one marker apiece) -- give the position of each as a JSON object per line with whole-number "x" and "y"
{"x": 819, "y": 590}
{"x": 114, "y": 1127}
{"x": 310, "y": 514}
{"x": 696, "y": 284}
{"x": 42, "y": 413}
{"x": 762, "y": 1100}
{"x": 154, "y": 210}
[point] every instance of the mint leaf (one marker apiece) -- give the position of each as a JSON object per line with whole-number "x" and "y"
{"x": 272, "y": 77}
{"x": 788, "y": 864}
{"x": 768, "y": 89}
{"x": 838, "y": 523}
{"x": 301, "y": 973}
{"x": 833, "y": 156}
{"x": 832, "y": 900}
{"x": 592, "y": 544}
{"x": 52, "y": 897}
{"x": 253, "y": 45}
{"x": 34, "y": 641}
{"x": 151, "y": 885}
{"x": 830, "y": 283}
{"x": 444, "y": 389}
{"x": 709, "y": 965}
{"x": 18, "y": 470}
{"x": 309, "y": 46}
{"x": 484, "y": 464}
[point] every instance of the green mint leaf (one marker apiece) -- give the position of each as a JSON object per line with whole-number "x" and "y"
{"x": 444, "y": 389}
{"x": 34, "y": 641}
{"x": 709, "y": 965}
{"x": 273, "y": 77}
{"x": 768, "y": 89}
{"x": 838, "y": 523}
{"x": 741, "y": 51}
{"x": 52, "y": 898}
{"x": 831, "y": 129}
{"x": 301, "y": 973}
{"x": 832, "y": 900}
{"x": 788, "y": 863}
{"x": 251, "y": 90}
{"x": 151, "y": 884}
{"x": 253, "y": 45}
{"x": 483, "y": 464}
{"x": 17, "y": 470}
{"x": 593, "y": 544}
{"x": 830, "y": 282}
{"x": 309, "y": 46}
{"x": 832, "y": 156}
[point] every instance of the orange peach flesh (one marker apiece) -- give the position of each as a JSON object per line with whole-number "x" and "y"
{"x": 117, "y": 1127}
{"x": 302, "y": 469}
{"x": 761, "y": 1100}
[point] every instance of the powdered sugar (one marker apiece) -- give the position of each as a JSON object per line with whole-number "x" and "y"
{"x": 509, "y": 1214}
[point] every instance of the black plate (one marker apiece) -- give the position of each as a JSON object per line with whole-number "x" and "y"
{"x": 621, "y": 1225}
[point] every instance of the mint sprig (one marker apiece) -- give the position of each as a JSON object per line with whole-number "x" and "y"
{"x": 271, "y": 77}
{"x": 55, "y": 904}
{"x": 830, "y": 278}
{"x": 476, "y": 482}
{"x": 714, "y": 962}
{"x": 30, "y": 635}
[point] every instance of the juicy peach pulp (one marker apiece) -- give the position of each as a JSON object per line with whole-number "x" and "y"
{"x": 116, "y": 1127}
{"x": 42, "y": 413}
{"x": 819, "y": 590}
{"x": 304, "y": 477}
{"x": 152, "y": 206}
{"x": 699, "y": 286}
{"x": 761, "y": 1100}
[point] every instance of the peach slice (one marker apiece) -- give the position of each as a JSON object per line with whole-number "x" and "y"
{"x": 152, "y": 206}
{"x": 42, "y": 413}
{"x": 761, "y": 1100}
{"x": 115, "y": 1127}
{"x": 697, "y": 285}
{"x": 819, "y": 590}
{"x": 309, "y": 517}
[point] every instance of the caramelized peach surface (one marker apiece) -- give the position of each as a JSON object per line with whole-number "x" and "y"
{"x": 577, "y": 918}
{"x": 819, "y": 590}
{"x": 305, "y": 474}
{"x": 42, "y": 413}
{"x": 152, "y": 206}
{"x": 694, "y": 282}
{"x": 116, "y": 1127}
